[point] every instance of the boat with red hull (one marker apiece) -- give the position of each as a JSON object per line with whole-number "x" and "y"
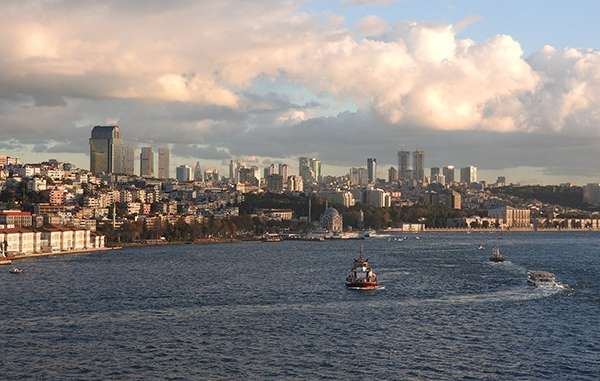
{"x": 362, "y": 276}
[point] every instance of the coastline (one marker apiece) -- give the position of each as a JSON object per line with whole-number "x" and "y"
{"x": 60, "y": 253}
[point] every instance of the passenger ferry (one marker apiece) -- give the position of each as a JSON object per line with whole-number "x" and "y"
{"x": 542, "y": 279}
{"x": 361, "y": 277}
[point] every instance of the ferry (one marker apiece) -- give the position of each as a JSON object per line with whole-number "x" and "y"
{"x": 544, "y": 279}
{"x": 496, "y": 256}
{"x": 361, "y": 277}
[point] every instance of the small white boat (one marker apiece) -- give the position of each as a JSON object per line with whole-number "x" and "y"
{"x": 418, "y": 238}
{"x": 480, "y": 247}
{"x": 15, "y": 270}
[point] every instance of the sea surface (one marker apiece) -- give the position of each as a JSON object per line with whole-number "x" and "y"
{"x": 281, "y": 311}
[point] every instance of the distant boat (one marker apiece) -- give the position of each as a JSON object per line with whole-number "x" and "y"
{"x": 496, "y": 255}
{"x": 361, "y": 277}
{"x": 269, "y": 237}
{"x": 542, "y": 279}
{"x": 480, "y": 247}
{"x": 418, "y": 238}
{"x": 15, "y": 270}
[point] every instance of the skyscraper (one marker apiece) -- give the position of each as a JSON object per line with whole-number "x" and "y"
{"x": 283, "y": 171}
{"x": 304, "y": 170}
{"x": 183, "y": 173}
{"x": 434, "y": 171}
{"x": 103, "y": 141}
{"x": 147, "y": 162}
{"x": 163, "y": 163}
{"x": 403, "y": 165}
{"x": 419, "y": 165}
{"x": 198, "y": 172}
{"x": 315, "y": 167}
{"x": 124, "y": 159}
{"x": 448, "y": 172}
{"x": 372, "y": 170}
{"x": 468, "y": 175}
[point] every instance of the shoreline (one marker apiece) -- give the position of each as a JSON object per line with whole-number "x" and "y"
{"x": 61, "y": 253}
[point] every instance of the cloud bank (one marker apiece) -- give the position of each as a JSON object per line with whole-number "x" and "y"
{"x": 188, "y": 73}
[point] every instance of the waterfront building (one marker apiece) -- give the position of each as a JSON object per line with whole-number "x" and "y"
{"x": 147, "y": 162}
{"x": 16, "y": 218}
{"x": 448, "y": 172}
{"x": 332, "y": 221}
{"x": 164, "y": 162}
{"x": 183, "y": 173}
{"x": 371, "y": 170}
{"x": 468, "y": 175}
{"x": 509, "y": 217}
{"x": 103, "y": 142}
{"x": 403, "y": 165}
{"x": 419, "y": 165}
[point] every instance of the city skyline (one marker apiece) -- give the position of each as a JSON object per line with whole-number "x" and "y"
{"x": 536, "y": 88}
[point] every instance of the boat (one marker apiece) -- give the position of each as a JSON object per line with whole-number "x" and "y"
{"x": 480, "y": 247}
{"x": 15, "y": 270}
{"x": 361, "y": 277}
{"x": 270, "y": 237}
{"x": 496, "y": 256}
{"x": 542, "y": 279}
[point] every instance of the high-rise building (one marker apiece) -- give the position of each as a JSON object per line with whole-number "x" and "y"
{"x": 403, "y": 165}
{"x": 268, "y": 171}
{"x": 295, "y": 184}
{"x": 232, "y": 172}
{"x": 198, "y": 172}
{"x": 419, "y": 165}
{"x": 315, "y": 167}
{"x": 248, "y": 176}
{"x": 392, "y": 175}
{"x": 304, "y": 170}
{"x": 283, "y": 171}
{"x": 434, "y": 171}
{"x": 468, "y": 175}
{"x": 163, "y": 163}
{"x": 183, "y": 173}
{"x": 103, "y": 141}
{"x": 448, "y": 172}
{"x": 371, "y": 170}
{"x": 147, "y": 162}
{"x": 124, "y": 159}
{"x": 359, "y": 176}
{"x": 211, "y": 175}
{"x": 274, "y": 183}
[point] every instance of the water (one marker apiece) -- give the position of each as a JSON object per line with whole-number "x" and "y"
{"x": 280, "y": 311}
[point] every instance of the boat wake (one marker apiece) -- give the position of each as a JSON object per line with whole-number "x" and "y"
{"x": 367, "y": 289}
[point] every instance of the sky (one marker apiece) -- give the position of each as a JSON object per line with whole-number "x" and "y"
{"x": 511, "y": 87}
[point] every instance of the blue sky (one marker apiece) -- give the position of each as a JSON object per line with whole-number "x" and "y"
{"x": 534, "y": 23}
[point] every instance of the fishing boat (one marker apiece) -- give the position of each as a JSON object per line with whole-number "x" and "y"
{"x": 361, "y": 277}
{"x": 542, "y": 279}
{"x": 496, "y": 255}
{"x": 15, "y": 270}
